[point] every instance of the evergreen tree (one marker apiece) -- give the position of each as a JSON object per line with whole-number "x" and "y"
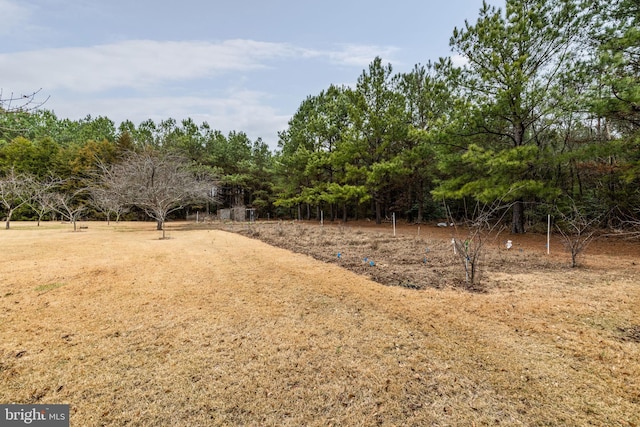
{"x": 514, "y": 59}
{"x": 379, "y": 126}
{"x": 430, "y": 102}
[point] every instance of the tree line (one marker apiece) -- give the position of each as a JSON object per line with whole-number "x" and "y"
{"x": 540, "y": 109}
{"x": 150, "y": 170}
{"x": 543, "y": 114}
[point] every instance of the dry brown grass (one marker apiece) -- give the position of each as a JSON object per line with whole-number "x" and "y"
{"x": 212, "y": 328}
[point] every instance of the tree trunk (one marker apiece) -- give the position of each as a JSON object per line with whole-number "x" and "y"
{"x": 8, "y": 220}
{"x": 160, "y": 225}
{"x": 517, "y": 224}
{"x": 378, "y": 212}
{"x": 420, "y": 201}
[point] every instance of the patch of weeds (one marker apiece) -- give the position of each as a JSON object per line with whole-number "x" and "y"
{"x": 410, "y": 285}
{"x": 48, "y": 287}
{"x": 299, "y": 230}
{"x": 631, "y": 334}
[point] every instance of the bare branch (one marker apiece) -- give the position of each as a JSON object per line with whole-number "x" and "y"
{"x": 158, "y": 183}
{"x": 43, "y": 199}
{"x": 20, "y": 103}
{"x": 16, "y": 190}
{"x": 577, "y": 231}
{"x": 68, "y": 205}
{"x": 478, "y": 229}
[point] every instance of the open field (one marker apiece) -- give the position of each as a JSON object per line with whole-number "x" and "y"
{"x": 210, "y": 327}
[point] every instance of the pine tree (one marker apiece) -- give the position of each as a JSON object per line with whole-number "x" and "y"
{"x": 513, "y": 61}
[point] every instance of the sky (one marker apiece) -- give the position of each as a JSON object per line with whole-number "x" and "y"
{"x": 243, "y": 65}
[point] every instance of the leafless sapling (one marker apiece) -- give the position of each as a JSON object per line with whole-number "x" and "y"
{"x": 577, "y": 231}
{"x": 16, "y": 190}
{"x": 43, "y": 198}
{"x": 69, "y": 205}
{"x": 472, "y": 234}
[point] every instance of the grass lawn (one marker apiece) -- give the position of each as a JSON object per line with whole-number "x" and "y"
{"x": 209, "y": 327}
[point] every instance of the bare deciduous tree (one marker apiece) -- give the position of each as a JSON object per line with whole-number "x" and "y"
{"x": 43, "y": 199}
{"x": 69, "y": 205}
{"x": 158, "y": 183}
{"x": 16, "y": 190}
{"x": 577, "y": 231}
{"x": 108, "y": 201}
{"x": 476, "y": 232}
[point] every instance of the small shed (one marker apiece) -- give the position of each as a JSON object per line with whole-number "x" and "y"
{"x": 237, "y": 213}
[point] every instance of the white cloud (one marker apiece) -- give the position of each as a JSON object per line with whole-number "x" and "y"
{"x": 134, "y": 80}
{"x": 362, "y": 55}
{"x": 134, "y": 64}
{"x": 140, "y": 64}
{"x": 14, "y": 15}
{"x": 352, "y": 55}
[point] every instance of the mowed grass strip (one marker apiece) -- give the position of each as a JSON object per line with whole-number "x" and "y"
{"x": 211, "y": 328}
